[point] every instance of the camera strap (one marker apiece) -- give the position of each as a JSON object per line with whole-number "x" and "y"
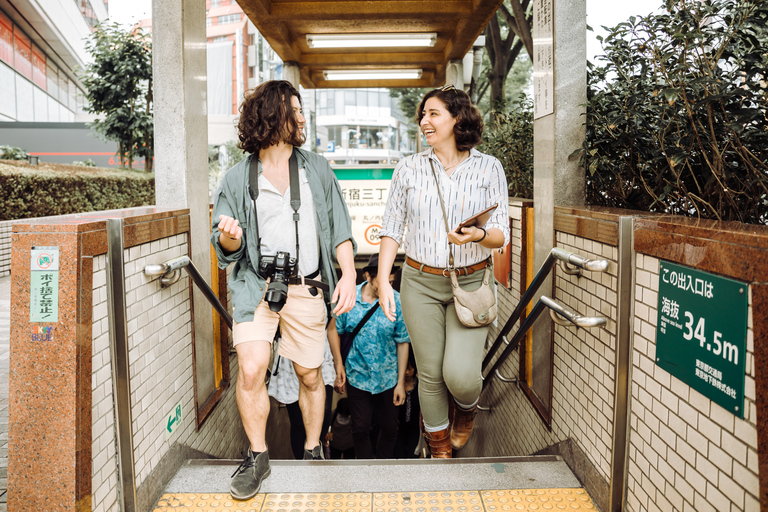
{"x": 253, "y": 191}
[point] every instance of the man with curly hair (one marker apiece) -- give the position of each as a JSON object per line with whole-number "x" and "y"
{"x": 283, "y": 253}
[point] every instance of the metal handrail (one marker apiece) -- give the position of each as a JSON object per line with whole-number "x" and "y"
{"x": 543, "y": 302}
{"x": 555, "y": 255}
{"x": 170, "y": 270}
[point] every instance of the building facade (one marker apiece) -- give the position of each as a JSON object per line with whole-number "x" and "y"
{"x": 42, "y": 44}
{"x": 360, "y": 126}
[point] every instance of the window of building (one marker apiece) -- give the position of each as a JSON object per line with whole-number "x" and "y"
{"x": 52, "y": 77}
{"x": 22, "y": 54}
{"x": 63, "y": 88}
{"x": 208, "y": 22}
{"x": 88, "y": 13}
{"x": 335, "y": 135}
{"x": 38, "y": 68}
{"x": 219, "y": 39}
{"x": 228, "y": 18}
{"x": 6, "y": 39}
{"x": 371, "y": 137}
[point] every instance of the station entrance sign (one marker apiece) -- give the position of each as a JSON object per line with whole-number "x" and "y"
{"x": 701, "y": 334}
{"x": 365, "y": 190}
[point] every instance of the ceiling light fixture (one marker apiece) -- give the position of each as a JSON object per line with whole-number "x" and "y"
{"x": 390, "y": 40}
{"x": 372, "y": 74}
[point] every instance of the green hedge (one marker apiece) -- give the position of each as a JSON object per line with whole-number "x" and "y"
{"x": 54, "y": 189}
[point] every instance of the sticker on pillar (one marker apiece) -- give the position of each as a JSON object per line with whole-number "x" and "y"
{"x": 172, "y": 421}
{"x": 701, "y": 334}
{"x": 44, "y": 285}
{"x": 40, "y": 333}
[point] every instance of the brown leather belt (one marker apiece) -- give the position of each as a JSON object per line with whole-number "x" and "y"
{"x": 461, "y": 271}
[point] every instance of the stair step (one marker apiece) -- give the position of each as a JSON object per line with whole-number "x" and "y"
{"x": 362, "y": 476}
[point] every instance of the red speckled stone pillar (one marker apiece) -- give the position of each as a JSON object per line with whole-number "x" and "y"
{"x": 49, "y": 428}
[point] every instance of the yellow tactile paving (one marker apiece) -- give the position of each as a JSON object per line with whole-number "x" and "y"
{"x": 449, "y": 501}
{"x": 326, "y": 502}
{"x": 443, "y": 501}
{"x": 206, "y": 502}
{"x": 537, "y": 499}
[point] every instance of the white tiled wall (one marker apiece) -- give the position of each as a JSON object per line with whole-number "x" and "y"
{"x": 104, "y": 470}
{"x": 584, "y": 367}
{"x": 159, "y": 350}
{"x": 161, "y": 358}
{"x": 686, "y": 453}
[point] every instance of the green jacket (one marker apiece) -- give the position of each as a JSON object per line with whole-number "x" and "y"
{"x": 333, "y": 226}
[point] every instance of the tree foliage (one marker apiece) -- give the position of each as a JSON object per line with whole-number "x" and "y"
{"x": 220, "y": 160}
{"x": 409, "y": 100}
{"x": 676, "y": 114}
{"x": 118, "y": 84}
{"x": 506, "y": 35}
{"x": 509, "y": 137}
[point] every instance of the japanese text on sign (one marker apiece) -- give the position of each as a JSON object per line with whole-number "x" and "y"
{"x": 701, "y": 333}
{"x": 44, "y": 285}
{"x": 543, "y": 59}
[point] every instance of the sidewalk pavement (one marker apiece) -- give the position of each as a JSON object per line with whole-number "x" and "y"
{"x": 5, "y": 340}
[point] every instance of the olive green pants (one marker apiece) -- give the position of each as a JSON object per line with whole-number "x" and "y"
{"x": 449, "y": 356}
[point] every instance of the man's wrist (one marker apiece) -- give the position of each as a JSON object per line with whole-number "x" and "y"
{"x": 485, "y": 233}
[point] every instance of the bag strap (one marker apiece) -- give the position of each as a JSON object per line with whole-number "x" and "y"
{"x": 445, "y": 217}
{"x": 364, "y": 320}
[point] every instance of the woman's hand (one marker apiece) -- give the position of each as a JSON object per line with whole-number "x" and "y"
{"x": 398, "y": 397}
{"x": 387, "y": 298}
{"x": 340, "y": 384}
{"x": 461, "y": 236}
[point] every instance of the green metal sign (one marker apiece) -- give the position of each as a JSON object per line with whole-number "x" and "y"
{"x": 701, "y": 334}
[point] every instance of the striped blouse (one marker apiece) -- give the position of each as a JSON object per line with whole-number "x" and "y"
{"x": 474, "y": 185}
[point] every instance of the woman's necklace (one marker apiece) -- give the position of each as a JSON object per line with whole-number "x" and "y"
{"x": 458, "y": 161}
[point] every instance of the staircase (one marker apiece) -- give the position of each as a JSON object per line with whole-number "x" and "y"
{"x": 417, "y": 485}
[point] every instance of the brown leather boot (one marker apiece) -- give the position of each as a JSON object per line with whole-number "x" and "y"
{"x": 461, "y": 426}
{"x": 439, "y": 444}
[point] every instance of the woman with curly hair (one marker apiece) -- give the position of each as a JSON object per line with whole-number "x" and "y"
{"x": 448, "y": 354}
{"x": 284, "y": 254}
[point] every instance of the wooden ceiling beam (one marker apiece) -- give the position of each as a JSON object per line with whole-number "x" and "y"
{"x": 384, "y": 9}
{"x": 277, "y": 33}
{"x": 428, "y": 79}
{"x": 373, "y": 59}
{"x": 467, "y": 31}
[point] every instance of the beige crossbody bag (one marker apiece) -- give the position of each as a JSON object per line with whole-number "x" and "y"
{"x": 476, "y": 308}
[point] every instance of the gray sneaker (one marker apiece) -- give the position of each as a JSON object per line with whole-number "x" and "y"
{"x": 246, "y": 480}
{"x": 315, "y": 454}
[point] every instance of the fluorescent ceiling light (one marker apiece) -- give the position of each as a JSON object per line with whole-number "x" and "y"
{"x": 373, "y": 74}
{"x": 371, "y": 40}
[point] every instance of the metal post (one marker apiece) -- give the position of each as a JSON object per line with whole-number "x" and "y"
{"x": 624, "y": 314}
{"x": 118, "y": 345}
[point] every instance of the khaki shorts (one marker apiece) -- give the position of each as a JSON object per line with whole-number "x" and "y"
{"x": 302, "y": 326}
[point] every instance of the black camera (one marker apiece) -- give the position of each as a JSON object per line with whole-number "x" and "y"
{"x": 280, "y": 268}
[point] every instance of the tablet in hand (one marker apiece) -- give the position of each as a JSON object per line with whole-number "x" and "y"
{"x": 479, "y": 219}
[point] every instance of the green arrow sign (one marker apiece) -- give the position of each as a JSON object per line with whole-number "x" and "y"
{"x": 173, "y": 421}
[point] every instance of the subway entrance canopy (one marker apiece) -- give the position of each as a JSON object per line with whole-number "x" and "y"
{"x": 450, "y": 26}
